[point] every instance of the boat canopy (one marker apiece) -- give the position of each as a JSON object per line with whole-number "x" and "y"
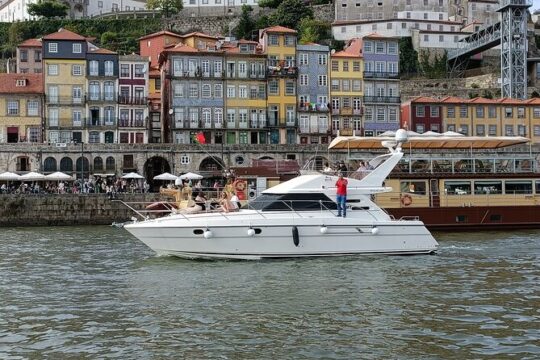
{"x": 430, "y": 140}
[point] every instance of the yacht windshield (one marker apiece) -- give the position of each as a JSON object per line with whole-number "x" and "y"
{"x": 292, "y": 202}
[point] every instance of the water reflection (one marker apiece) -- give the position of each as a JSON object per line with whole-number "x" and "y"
{"x": 97, "y": 292}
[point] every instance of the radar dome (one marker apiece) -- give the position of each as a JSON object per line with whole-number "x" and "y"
{"x": 401, "y": 135}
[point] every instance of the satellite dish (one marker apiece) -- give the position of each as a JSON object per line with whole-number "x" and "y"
{"x": 333, "y": 51}
{"x": 171, "y": 111}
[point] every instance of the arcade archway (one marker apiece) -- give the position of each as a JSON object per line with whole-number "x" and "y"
{"x": 154, "y": 166}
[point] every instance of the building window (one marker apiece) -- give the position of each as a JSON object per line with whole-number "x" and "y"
{"x": 335, "y": 85}
{"x": 451, "y": 112}
{"x": 193, "y": 90}
{"x": 420, "y": 111}
{"x": 434, "y": 111}
{"x": 492, "y": 130}
{"x": 32, "y": 108}
{"x": 13, "y": 107}
{"x": 77, "y": 48}
{"x": 124, "y": 70}
{"x": 218, "y": 91}
{"x": 463, "y": 111}
{"x": 508, "y": 112}
{"x": 480, "y": 130}
{"x": 357, "y": 85}
{"x": 392, "y": 48}
{"x": 379, "y": 47}
{"x": 76, "y": 70}
{"x": 231, "y": 91}
{"x": 109, "y": 68}
{"x": 323, "y": 59}
{"x": 356, "y": 66}
{"x": 206, "y": 91}
{"x": 492, "y": 112}
{"x": 322, "y": 81}
{"x": 345, "y": 66}
{"x": 52, "y": 69}
{"x": 23, "y": 55}
{"x": 273, "y": 40}
{"x": 304, "y": 80}
{"x": 509, "y": 130}
{"x": 139, "y": 70}
{"x": 303, "y": 59}
{"x": 242, "y": 92}
{"x": 273, "y": 87}
{"x": 480, "y": 112}
{"x": 53, "y": 47}
{"x": 289, "y": 40}
{"x": 290, "y": 87}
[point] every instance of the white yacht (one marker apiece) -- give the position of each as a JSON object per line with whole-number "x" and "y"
{"x": 297, "y": 218}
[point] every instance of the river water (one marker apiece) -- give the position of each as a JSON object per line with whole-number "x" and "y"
{"x": 96, "y": 292}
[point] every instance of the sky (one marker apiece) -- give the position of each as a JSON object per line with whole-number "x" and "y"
{"x": 536, "y": 5}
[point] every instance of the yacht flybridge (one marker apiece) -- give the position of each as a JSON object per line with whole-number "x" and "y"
{"x": 296, "y": 218}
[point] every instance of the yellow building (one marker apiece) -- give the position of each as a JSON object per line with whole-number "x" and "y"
{"x": 64, "y": 74}
{"x": 21, "y": 108}
{"x": 346, "y": 88}
{"x": 245, "y": 87}
{"x": 279, "y": 44}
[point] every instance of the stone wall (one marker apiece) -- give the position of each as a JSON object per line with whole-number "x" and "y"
{"x": 324, "y": 12}
{"x": 68, "y": 209}
{"x": 461, "y": 87}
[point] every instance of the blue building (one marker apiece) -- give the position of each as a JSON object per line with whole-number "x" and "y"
{"x": 313, "y": 93}
{"x": 381, "y": 84}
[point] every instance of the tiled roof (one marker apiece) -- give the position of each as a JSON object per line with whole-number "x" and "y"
{"x": 454, "y": 100}
{"x": 425, "y": 100}
{"x": 279, "y": 29}
{"x": 8, "y": 84}
{"x": 31, "y": 43}
{"x": 354, "y": 49}
{"x": 63, "y": 34}
{"x": 199, "y": 34}
{"x": 482, "y": 100}
{"x": 159, "y": 33}
{"x": 181, "y": 48}
{"x": 133, "y": 57}
{"x": 102, "y": 51}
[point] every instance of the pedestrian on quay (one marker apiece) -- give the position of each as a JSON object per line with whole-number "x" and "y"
{"x": 341, "y": 195}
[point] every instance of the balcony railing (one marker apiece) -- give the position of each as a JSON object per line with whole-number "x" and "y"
{"x": 100, "y": 122}
{"x": 308, "y": 130}
{"x": 382, "y": 99}
{"x": 64, "y": 100}
{"x": 101, "y": 97}
{"x": 380, "y": 75}
{"x": 247, "y": 75}
{"x": 131, "y": 123}
{"x": 274, "y": 71}
{"x": 132, "y": 100}
{"x": 313, "y": 108}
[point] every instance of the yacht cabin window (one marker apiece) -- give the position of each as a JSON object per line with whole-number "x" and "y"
{"x": 292, "y": 202}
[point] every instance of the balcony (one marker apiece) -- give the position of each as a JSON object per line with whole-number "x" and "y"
{"x": 198, "y": 74}
{"x": 252, "y": 75}
{"x": 132, "y": 100}
{"x": 133, "y": 123}
{"x": 100, "y": 122}
{"x": 291, "y": 123}
{"x": 101, "y": 97}
{"x": 259, "y": 96}
{"x": 278, "y": 71}
{"x": 313, "y": 108}
{"x": 64, "y": 100}
{"x": 313, "y": 131}
{"x": 380, "y": 75}
{"x": 382, "y": 100}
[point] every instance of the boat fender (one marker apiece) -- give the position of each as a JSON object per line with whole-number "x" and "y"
{"x": 208, "y": 234}
{"x": 324, "y": 229}
{"x": 251, "y": 232}
{"x": 295, "y": 236}
{"x": 375, "y": 230}
{"x": 406, "y": 200}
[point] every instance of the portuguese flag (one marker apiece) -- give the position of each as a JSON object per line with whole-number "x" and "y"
{"x": 199, "y": 138}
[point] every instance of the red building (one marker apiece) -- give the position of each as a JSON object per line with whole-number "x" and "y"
{"x": 422, "y": 114}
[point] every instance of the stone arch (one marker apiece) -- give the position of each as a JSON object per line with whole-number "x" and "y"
{"x": 211, "y": 164}
{"x": 98, "y": 163}
{"x": 154, "y": 166}
{"x": 49, "y": 165}
{"x": 66, "y": 164}
{"x": 110, "y": 164}
{"x": 266, "y": 157}
{"x": 82, "y": 165}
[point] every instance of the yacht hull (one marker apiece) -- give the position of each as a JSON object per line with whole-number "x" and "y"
{"x": 237, "y": 237}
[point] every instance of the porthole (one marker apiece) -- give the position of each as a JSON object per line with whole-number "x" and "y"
{"x": 198, "y": 231}
{"x": 239, "y": 160}
{"x": 258, "y": 231}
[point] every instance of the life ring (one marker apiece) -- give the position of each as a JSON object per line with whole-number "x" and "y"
{"x": 406, "y": 200}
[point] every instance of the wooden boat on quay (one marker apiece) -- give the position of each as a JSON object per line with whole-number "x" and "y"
{"x": 459, "y": 183}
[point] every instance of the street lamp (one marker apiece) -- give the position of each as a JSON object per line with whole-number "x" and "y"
{"x": 82, "y": 164}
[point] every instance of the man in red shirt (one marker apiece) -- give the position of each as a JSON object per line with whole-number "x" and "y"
{"x": 341, "y": 195}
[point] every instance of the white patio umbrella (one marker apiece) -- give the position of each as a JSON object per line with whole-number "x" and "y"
{"x": 32, "y": 176}
{"x": 58, "y": 176}
{"x": 9, "y": 176}
{"x": 190, "y": 176}
{"x": 132, "y": 175}
{"x": 166, "y": 176}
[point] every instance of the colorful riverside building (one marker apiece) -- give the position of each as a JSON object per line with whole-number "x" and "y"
{"x": 64, "y": 70}
{"x": 29, "y": 57}
{"x": 102, "y": 96}
{"x": 346, "y": 89}
{"x": 192, "y": 93}
{"x": 279, "y": 44}
{"x": 21, "y": 105}
{"x": 133, "y": 107}
{"x": 381, "y": 84}
{"x": 474, "y": 117}
{"x": 313, "y": 92}
{"x": 245, "y": 93}
{"x": 151, "y": 46}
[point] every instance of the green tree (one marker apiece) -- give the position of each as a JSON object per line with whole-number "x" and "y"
{"x": 272, "y": 4}
{"x": 290, "y": 12}
{"x": 314, "y": 30}
{"x": 246, "y": 25}
{"x": 408, "y": 57}
{"x": 167, "y": 7}
{"x": 48, "y": 9}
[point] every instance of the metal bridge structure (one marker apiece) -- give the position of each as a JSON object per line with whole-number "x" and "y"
{"x": 511, "y": 34}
